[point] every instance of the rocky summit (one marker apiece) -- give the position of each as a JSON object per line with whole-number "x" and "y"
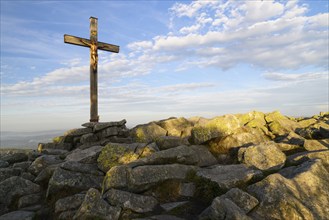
{"x": 243, "y": 166}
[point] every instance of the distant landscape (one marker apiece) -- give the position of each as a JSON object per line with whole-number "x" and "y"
{"x": 26, "y": 140}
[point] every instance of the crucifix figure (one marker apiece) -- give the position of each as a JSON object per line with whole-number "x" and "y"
{"x": 94, "y": 46}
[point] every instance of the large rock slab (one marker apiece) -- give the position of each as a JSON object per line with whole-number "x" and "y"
{"x": 44, "y": 176}
{"x": 22, "y": 165}
{"x": 255, "y": 119}
{"x": 135, "y": 202}
{"x": 65, "y": 182}
{"x": 300, "y": 192}
{"x": 108, "y": 132}
{"x": 42, "y": 147}
{"x": 178, "y": 127}
{"x": 28, "y": 176}
{"x": 117, "y": 139}
{"x": 6, "y": 173}
{"x": 221, "y": 209}
{"x": 312, "y": 145}
{"x": 89, "y": 138}
{"x": 54, "y": 152}
{"x": 74, "y": 166}
{"x": 167, "y": 142}
{"x": 42, "y": 162}
{"x": 15, "y": 187}
{"x": 144, "y": 150}
{"x": 117, "y": 177}
{"x": 147, "y": 133}
{"x": 3, "y": 164}
{"x": 190, "y": 155}
{"x": 14, "y": 158}
{"x": 242, "y": 137}
{"x": 230, "y": 176}
{"x": 288, "y": 149}
{"x": 88, "y": 155}
{"x": 100, "y": 125}
{"x": 117, "y": 154}
{"x": 279, "y": 124}
{"x": 29, "y": 200}
{"x": 266, "y": 157}
{"x": 306, "y": 122}
{"x": 319, "y": 130}
{"x": 69, "y": 203}
{"x": 324, "y": 132}
{"x": 67, "y": 215}
{"x": 299, "y": 158}
{"x": 94, "y": 207}
{"x": 142, "y": 178}
{"x": 18, "y": 215}
{"x": 214, "y": 128}
{"x": 97, "y": 126}
{"x": 242, "y": 199}
{"x": 78, "y": 132}
{"x": 171, "y": 206}
{"x": 292, "y": 138}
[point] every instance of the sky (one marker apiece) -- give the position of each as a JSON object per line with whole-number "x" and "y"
{"x": 177, "y": 58}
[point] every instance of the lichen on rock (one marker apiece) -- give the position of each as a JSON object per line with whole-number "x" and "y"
{"x": 214, "y": 128}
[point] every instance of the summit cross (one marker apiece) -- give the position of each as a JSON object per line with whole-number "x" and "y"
{"x": 94, "y": 46}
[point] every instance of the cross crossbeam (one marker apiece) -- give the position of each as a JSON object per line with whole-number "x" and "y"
{"x": 94, "y": 45}
{"x": 69, "y": 39}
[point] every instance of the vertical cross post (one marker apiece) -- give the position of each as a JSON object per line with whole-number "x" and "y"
{"x": 94, "y": 45}
{"x": 93, "y": 71}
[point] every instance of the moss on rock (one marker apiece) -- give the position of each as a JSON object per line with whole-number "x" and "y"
{"x": 115, "y": 154}
{"x": 147, "y": 133}
{"x": 177, "y": 127}
{"x": 58, "y": 139}
{"x": 242, "y": 137}
{"x": 280, "y": 125}
{"x": 214, "y": 128}
{"x": 273, "y": 116}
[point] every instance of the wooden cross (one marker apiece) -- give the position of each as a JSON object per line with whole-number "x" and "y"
{"x": 94, "y": 45}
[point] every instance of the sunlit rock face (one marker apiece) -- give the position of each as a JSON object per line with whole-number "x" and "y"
{"x": 245, "y": 166}
{"x": 295, "y": 192}
{"x": 266, "y": 157}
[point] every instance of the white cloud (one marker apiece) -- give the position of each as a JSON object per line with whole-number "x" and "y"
{"x": 293, "y": 9}
{"x": 318, "y": 21}
{"x": 296, "y": 77}
{"x": 192, "y": 9}
{"x": 201, "y": 20}
{"x": 190, "y": 29}
{"x": 184, "y": 87}
{"x": 267, "y": 34}
{"x": 140, "y": 45}
{"x": 72, "y": 62}
{"x": 260, "y": 11}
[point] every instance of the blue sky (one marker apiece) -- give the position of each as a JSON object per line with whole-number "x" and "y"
{"x": 177, "y": 58}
